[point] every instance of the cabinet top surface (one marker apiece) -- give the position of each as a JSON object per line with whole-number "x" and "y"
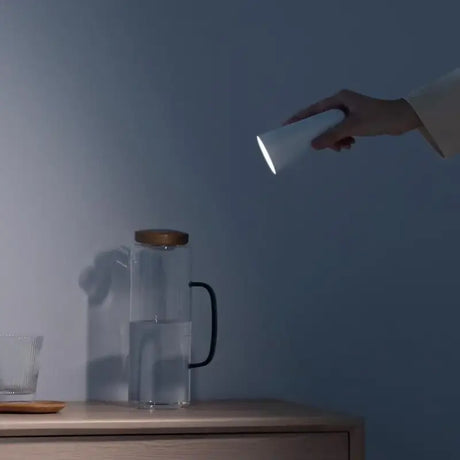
{"x": 79, "y": 418}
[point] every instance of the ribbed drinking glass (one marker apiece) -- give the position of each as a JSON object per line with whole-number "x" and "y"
{"x": 19, "y": 365}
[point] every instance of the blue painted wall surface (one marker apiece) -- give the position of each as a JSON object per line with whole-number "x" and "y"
{"x": 337, "y": 281}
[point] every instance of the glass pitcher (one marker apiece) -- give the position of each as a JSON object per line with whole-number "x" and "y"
{"x": 160, "y": 320}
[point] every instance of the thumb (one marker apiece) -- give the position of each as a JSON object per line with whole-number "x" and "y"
{"x": 334, "y": 134}
{"x": 333, "y": 102}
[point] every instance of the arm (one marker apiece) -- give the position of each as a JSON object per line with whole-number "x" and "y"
{"x": 364, "y": 116}
{"x": 438, "y": 107}
{"x": 433, "y": 109}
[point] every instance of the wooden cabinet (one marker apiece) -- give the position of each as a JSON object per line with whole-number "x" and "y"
{"x": 225, "y": 430}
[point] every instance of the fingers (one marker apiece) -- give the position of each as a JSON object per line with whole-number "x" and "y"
{"x": 334, "y": 135}
{"x": 345, "y": 143}
{"x": 333, "y": 102}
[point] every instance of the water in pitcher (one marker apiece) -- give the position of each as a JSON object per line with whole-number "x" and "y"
{"x": 159, "y": 358}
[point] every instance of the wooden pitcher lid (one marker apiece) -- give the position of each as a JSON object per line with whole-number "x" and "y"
{"x": 161, "y": 237}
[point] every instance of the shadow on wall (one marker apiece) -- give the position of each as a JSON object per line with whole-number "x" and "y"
{"x": 106, "y": 284}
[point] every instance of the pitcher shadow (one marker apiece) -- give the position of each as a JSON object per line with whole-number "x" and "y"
{"x": 106, "y": 284}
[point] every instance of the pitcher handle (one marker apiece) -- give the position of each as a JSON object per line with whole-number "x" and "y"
{"x": 212, "y": 347}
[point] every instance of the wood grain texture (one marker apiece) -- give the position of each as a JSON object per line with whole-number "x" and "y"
{"x": 31, "y": 407}
{"x": 319, "y": 446}
{"x": 209, "y": 417}
{"x": 357, "y": 442}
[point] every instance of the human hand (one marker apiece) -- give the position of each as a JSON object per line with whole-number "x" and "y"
{"x": 364, "y": 116}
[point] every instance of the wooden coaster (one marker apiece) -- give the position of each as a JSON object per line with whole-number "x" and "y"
{"x": 31, "y": 407}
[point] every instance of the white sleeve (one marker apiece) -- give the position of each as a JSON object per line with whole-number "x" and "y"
{"x": 438, "y": 107}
